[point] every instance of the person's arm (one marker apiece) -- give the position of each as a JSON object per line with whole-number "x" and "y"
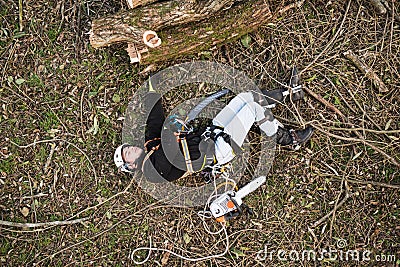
{"x": 158, "y": 167}
{"x": 156, "y": 117}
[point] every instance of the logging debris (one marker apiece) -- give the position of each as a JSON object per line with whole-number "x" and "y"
{"x": 369, "y": 73}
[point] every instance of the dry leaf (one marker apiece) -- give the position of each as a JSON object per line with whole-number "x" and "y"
{"x": 165, "y": 257}
{"x": 186, "y": 238}
{"x": 388, "y": 124}
{"x": 25, "y": 211}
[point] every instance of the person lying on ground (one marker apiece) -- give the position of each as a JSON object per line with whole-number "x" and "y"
{"x": 168, "y": 162}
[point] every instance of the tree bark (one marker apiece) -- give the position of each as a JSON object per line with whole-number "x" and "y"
{"x": 185, "y": 27}
{"x": 129, "y": 26}
{"x": 137, "y": 3}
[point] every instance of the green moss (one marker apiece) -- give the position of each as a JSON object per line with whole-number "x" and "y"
{"x": 7, "y": 165}
{"x": 4, "y": 247}
{"x": 41, "y": 155}
{"x": 49, "y": 121}
{"x": 35, "y": 81}
{"x": 52, "y": 34}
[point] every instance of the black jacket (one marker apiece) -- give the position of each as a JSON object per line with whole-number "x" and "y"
{"x": 168, "y": 160}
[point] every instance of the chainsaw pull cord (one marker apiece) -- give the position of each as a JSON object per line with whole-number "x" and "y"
{"x": 205, "y": 214}
{"x": 150, "y": 249}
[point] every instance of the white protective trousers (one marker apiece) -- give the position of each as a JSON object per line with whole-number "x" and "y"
{"x": 237, "y": 118}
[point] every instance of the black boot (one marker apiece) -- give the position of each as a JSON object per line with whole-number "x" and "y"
{"x": 284, "y": 95}
{"x": 294, "y": 78}
{"x": 279, "y": 96}
{"x": 294, "y": 83}
{"x": 293, "y": 138}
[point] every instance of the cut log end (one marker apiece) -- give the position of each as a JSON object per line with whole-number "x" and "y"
{"x": 130, "y": 4}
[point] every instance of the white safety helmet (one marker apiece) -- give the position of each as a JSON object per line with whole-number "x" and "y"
{"x": 118, "y": 160}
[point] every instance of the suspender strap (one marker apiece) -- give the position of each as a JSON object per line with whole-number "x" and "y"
{"x": 186, "y": 154}
{"x": 216, "y": 127}
{"x": 259, "y": 123}
{"x": 146, "y": 158}
{"x": 224, "y": 135}
{"x": 210, "y": 133}
{"x": 148, "y": 141}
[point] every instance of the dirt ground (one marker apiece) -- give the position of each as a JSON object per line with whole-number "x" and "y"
{"x": 61, "y": 109}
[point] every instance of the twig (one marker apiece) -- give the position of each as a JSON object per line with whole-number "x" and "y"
{"x": 312, "y": 233}
{"x": 58, "y": 118}
{"x": 61, "y": 140}
{"x": 147, "y": 208}
{"x": 81, "y": 113}
{"x": 11, "y": 54}
{"x": 45, "y": 224}
{"x": 62, "y": 16}
{"x": 33, "y": 204}
{"x": 332, "y": 211}
{"x": 330, "y": 41}
{"x": 46, "y": 165}
{"x": 363, "y": 110}
{"x": 395, "y": 162}
{"x": 323, "y": 101}
{"x": 365, "y": 130}
{"x": 336, "y": 90}
{"x": 105, "y": 201}
{"x": 21, "y": 26}
{"x": 335, "y": 177}
{"x": 3, "y": 3}
{"x": 297, "y": 4}
{"x": 95, "y": 206}
{"x": 391, "y": 10}
{"x": 369, "y": 73}
{"x": 78, "y": 31}
{"x": 33, "y": 196}
{"x": 336, "y": 206}
{"x": 394, "y": 186}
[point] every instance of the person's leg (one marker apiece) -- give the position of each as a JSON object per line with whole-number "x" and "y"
{"x": 241, "y": 122}
{"x": 234, "y": 106}
{"x": 241, "y": 113}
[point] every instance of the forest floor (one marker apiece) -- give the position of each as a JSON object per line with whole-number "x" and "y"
{"x": 60, "y": 122}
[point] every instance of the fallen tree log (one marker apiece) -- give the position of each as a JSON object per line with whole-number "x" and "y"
{"x": 129, "y": 26}
{"x": 136, "y": 3}
{"x": 167, "y": 30}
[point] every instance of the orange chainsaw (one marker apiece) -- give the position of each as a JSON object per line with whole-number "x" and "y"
{"x": 230, "y": 204}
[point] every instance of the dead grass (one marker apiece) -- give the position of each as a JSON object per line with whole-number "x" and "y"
{"x": 54, "y": 86}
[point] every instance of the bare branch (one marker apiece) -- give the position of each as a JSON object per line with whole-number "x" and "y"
{"x": 45, "y": 224}
{"x": 332, "y": 211}
{"x": 367, "y": 71}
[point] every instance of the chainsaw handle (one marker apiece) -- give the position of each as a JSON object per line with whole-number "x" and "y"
{"x": 231, "y": 214}
{"x": 236, "y": 204}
